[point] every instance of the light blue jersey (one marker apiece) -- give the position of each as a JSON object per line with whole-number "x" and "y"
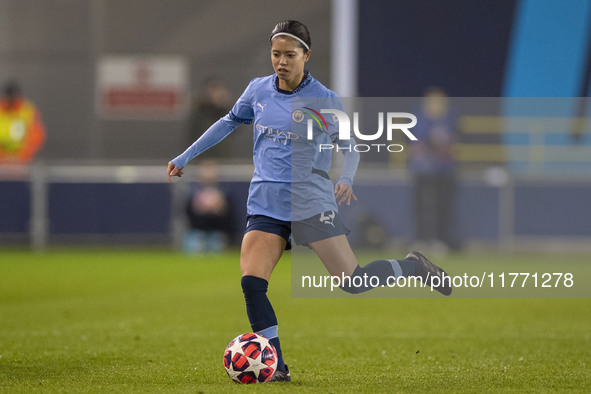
{"x": 270, "y": 110}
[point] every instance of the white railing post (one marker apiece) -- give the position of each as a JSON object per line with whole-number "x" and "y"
{"x": 39, "y": 220}
{"x": 507, "y": 215}
{"x": 179, "y": 194}
{"x": 344, "y": 41}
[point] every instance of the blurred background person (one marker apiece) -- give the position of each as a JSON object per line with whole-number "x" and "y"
{"x": 431, "y": 161}
{"x": 211, "y": 104}
{"x": 22, "y": 133}
{"x": 208, "y": 212}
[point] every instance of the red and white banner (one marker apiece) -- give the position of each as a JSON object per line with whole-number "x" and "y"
{"x": 142, "y": 87}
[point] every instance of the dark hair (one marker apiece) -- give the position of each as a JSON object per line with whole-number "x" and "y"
{"x": 296, "y": 28}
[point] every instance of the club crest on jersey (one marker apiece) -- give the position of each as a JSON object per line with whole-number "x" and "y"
{"x": 297, "y": 116}
{"x": 327, "y": 217}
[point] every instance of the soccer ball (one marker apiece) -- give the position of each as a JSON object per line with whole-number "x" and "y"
{"x": 250, "y": 358}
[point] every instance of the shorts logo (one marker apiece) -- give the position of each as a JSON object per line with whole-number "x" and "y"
{"x": 327, "y": 217}
{"x": 297, "y": 116}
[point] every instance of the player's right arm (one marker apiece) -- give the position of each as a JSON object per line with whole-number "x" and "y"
{"x": 242, "y": 112}
{"x": 173, "y": 170}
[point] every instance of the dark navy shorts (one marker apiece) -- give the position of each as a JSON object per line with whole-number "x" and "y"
{"x": 322, "y": 226}
{"x": 269, "y": 225}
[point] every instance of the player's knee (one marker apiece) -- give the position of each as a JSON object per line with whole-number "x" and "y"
{"x": 251, "y": 284}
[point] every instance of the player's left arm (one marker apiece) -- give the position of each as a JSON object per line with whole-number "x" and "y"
{"x": 344, "y": 187}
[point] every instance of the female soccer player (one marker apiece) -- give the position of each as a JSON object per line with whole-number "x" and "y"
{"x": 266, "y": 102}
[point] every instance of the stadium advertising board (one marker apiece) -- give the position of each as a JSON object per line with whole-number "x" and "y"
{"x": 142, "y": 87}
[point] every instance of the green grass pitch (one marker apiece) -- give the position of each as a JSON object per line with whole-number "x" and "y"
{"x": 156, "y": 321}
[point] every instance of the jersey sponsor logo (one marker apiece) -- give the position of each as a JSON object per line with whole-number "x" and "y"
{"x": 276, "y": 135}
{"x": 327, "y": 217}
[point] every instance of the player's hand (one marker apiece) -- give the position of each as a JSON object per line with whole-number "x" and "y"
{"x": 345, "y": 193}
{"x": 173, "y": 170}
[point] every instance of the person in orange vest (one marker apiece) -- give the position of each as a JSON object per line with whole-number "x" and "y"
{"x": 22, "y": 133}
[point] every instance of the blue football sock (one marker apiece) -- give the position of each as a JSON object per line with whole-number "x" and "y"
{"x": 407, "y": 266}
{"x": 381, "y": 269}
{"x": 260, "y": 312}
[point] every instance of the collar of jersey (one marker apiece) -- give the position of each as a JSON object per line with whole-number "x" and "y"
{"x": 305, "y": 81}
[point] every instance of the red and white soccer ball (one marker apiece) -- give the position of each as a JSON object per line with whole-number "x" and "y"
{"x": 250, "y": 358}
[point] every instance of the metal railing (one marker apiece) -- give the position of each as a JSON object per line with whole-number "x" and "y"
{"x": 40, "y": 176}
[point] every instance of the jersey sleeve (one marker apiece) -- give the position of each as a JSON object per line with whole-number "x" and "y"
{"x": 334, "y": 102}
{"x": 241, "y": 112}
{"x": 347, "y": 146}
{"x": 216, "y": 133}
{"x": 350, "y": 163}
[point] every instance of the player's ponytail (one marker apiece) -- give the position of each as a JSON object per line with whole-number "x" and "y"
{"x": 296, "y": 30}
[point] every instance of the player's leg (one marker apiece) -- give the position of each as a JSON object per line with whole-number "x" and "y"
{"x": 328, "y": 239}
{"x": 338, "y": 258}
{"x": 259, "y": 255}
{"x": 260, "y": 252}
{"x": 336, "y": 255}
